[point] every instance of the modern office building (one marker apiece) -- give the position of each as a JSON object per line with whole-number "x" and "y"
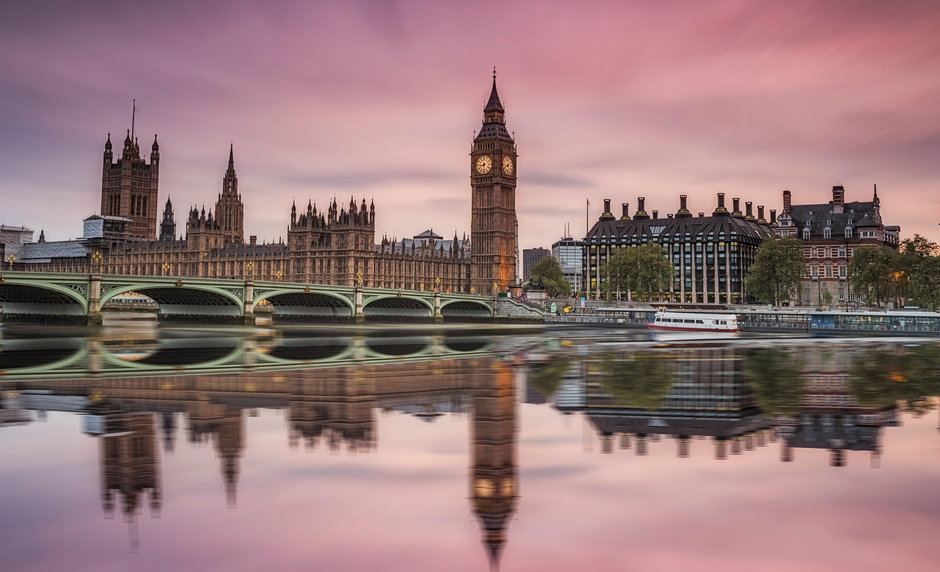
{"x": 710, "y": 254}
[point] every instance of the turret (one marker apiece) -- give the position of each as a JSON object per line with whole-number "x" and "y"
{"x": 168, "y": 226}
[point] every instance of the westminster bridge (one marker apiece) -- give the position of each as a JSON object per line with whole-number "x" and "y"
{"x": 77, "y": 296}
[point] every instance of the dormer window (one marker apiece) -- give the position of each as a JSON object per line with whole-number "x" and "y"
{"x": 848, "y": 232}
{"x": 827, "y": 232}
{"x": 805, "y": 234}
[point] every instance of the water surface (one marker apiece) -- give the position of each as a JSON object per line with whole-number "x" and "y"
{"x": 233, "y": 448}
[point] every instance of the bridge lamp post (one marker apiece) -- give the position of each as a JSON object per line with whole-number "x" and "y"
{"x": 10, "y": 260}
{"x": 166, "y": 268}
{"x": 250, "y": 268}
{"x": 437, "y": 284}
{"x": 359, "y": 278}
{"x": 96, "y": 260}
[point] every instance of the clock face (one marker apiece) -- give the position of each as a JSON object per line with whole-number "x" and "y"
{"x": 507, "y": 165}
{"x": 484, "y": 164}
{"x": 484, "y": 487}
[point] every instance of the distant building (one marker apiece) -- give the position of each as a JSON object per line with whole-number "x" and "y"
{"x": 830, "y": 233}
{"x": 710, "y": 254}
{"x": 569, "y": 253}
{"x": 530, "y": 257}
{"x": 12, "y": 239}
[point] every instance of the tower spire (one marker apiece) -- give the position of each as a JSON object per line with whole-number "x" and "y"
{"x": 494, "y": 104}
{"x": 133, "y": 117}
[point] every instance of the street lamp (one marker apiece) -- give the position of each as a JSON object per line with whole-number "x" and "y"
{"x": 10, "y": 260}
{"x": 818, "y": 291}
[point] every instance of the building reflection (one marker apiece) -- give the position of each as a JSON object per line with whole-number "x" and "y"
{"x": 332, "y": 409}
{"x": 739, "y": 399}
{"x": 725, "y": 401}
{"x": 129, "y": 458}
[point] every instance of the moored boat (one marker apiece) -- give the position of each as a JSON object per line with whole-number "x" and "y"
{"x": 667, "y": 320}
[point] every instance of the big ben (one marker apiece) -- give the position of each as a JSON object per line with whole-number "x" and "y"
{"x": 493, "y": 224}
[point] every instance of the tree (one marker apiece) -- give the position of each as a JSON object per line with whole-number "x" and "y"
{"x": 876, "y": 272}
{"x": 643, "y": 270}
{"x": 547, "y": 275}
{"x": 776, "y": 377}
{"x": 641, "y": 382}
{"x": 920, "y": 271}
{"x": 547, "y": 377}
{"x": 775, "y": 275}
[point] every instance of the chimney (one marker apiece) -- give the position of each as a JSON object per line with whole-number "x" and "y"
{"x": 655, "y": 214}
{"x": 252, "y": 240}
{"x": 773, "y": 216}
{"x": 607, "y": 215}
{"x": 748, "y": 211}
{"x": 838, "y": 195}
{"x": 786, "y": 201}
{"x": 760, "y": 213}
{"x": 701, "y": 214}
{"x": 626, "y": 212}
{"x": 683, "y": 208}
{"x": 720, "y": 210}
{"x": 606, "y": 206}
{"x": 735, "y": 206}
{"x": 640, "y": 209}
{"x": 838, "y": 199}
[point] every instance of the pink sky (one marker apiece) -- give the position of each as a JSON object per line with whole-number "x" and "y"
{"x": 380, "y": 99}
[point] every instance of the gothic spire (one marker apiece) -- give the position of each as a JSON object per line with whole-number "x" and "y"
{"x": 494, "y": 104}
{"x": 231, "y": 157}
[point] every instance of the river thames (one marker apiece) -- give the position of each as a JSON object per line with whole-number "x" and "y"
{"x": 184, "y": 447}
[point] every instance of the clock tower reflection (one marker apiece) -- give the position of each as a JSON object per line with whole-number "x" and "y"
{"x": 493, "y": 476}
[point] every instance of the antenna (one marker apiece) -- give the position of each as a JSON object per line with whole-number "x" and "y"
{"x": 133, "y": 116}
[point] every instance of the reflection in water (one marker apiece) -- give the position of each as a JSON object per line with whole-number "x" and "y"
{"x": 812, "y": 396}
{"x": 735, "y": 398}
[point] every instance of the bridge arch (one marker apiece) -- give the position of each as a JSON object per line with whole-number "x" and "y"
{"x": 184, "y": 299}
{"x": 180, "y": 354}
{"x": 397, "y": 307}
{"x": 315, "y": 303}
{"x": 310, "y": 350}
{"x": 398, "y": 346}
{"x": 43, "y": 298}
{"x": 465, "y": 309}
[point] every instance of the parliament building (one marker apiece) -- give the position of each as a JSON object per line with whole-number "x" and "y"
{"x": 331, "y": 245}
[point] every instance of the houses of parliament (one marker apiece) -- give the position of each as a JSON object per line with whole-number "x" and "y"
{"x": 335, "y": 244}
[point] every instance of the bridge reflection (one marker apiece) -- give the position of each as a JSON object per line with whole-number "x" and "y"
{"x": 148, "y": 392}
{"x": 332, "y": 408}
{"x": 167, "y": 351}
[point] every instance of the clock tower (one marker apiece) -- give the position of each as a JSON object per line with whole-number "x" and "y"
{"x": 493, "y": 225}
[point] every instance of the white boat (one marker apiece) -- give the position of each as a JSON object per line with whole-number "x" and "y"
{"x": 672, "y": 320}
